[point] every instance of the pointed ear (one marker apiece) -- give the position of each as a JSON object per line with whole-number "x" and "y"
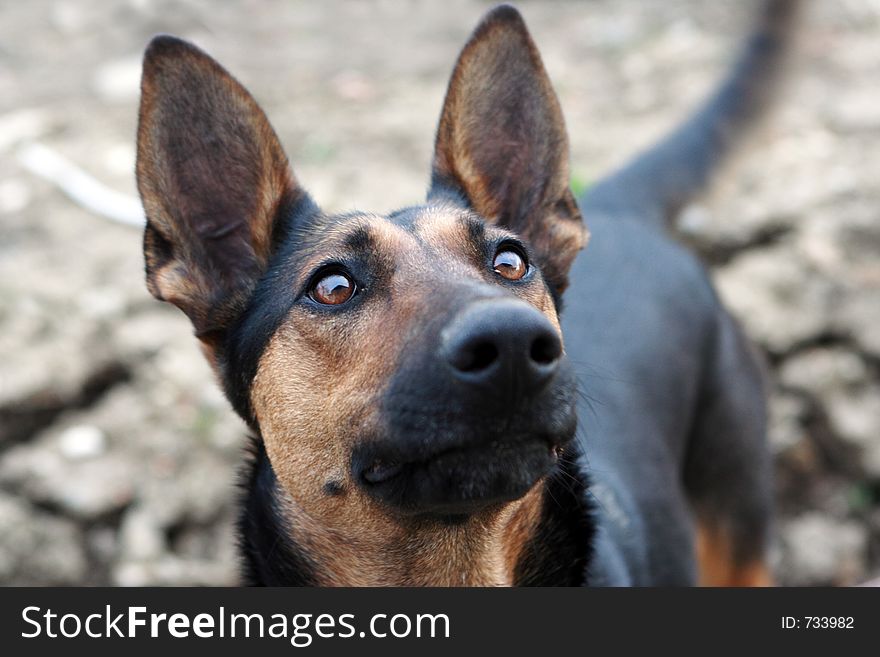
{"x": 215, "y": 183}
{"x": 502, "y": 146}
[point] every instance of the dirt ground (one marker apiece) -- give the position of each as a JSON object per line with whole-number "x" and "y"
{"x": 117, "y": 451}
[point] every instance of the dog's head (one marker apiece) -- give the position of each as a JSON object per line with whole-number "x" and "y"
{"x": 395, "y": 366}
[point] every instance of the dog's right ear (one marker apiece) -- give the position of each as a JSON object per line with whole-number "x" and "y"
{"x": 215, "y": 183}
{"x": 502, "y": 146}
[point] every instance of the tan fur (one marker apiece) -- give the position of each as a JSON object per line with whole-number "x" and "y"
{"x": 718, "y": 565}
{"x": 385, "y": 551}
{"x": 442, "y": 230}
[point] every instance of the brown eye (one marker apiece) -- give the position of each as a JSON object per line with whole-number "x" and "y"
{"x": 332, "y": 289}
{"x": 510, "y": 264}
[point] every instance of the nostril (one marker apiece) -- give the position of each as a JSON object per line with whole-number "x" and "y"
{"x": 477, "y": 358}
{"x": 545, "y": 350}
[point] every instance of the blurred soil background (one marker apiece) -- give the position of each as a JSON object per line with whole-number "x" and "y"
{"x": 118, "y": 454}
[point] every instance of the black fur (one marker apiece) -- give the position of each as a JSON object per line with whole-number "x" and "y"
{"x": 245, "y": 341}
{"x": 271, "y": 557}
{"x": 561, "y": 550}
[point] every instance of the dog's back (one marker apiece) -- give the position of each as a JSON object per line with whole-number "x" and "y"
{"x": 672, "y": 415}
{"x": 671, "y": 395}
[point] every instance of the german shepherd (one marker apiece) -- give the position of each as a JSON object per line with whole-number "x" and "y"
{"x": 415, "y": 414}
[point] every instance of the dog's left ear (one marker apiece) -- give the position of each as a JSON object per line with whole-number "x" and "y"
{"x": 502, "y": 145}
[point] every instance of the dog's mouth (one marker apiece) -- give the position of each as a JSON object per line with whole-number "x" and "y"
{"x": 457, "y": 481}
{"x": 447, "y": 450}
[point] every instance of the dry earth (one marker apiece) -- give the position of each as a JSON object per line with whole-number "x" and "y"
{"x": 118, "y": 453}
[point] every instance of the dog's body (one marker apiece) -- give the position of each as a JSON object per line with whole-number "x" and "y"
{"x": 699, "y": 418}
{"x": 415, "y": 413}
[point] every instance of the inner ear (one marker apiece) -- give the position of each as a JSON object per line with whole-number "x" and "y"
{"x": 215, "y": 183}
{"x": 502, "y": 146}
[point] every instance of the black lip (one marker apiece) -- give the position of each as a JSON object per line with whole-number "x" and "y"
{"x": 380, "y": 471}
{"x": 458, "y": 480}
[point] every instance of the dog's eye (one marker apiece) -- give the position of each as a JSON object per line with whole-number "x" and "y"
{"x": 332, "y": 289}
{"x": 510, "y": 264}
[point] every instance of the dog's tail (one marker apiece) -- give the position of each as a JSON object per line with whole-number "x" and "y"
{"x": 657, "y": 184}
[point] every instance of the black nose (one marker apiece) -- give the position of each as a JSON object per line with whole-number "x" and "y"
{"x": 506, "y": 344}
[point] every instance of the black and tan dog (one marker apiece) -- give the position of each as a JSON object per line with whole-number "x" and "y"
{"x": 414, "y": 409}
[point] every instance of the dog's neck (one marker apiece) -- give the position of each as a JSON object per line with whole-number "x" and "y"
{"x": 542, "y": 539}
{"x": 480, "y": 550}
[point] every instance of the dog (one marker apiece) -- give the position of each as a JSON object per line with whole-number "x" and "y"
{"x": 416, "y": 417}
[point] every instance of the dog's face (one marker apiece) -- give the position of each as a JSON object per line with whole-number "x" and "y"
{"x": 398, "y": 367}
{"x": 417, "y": 361}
